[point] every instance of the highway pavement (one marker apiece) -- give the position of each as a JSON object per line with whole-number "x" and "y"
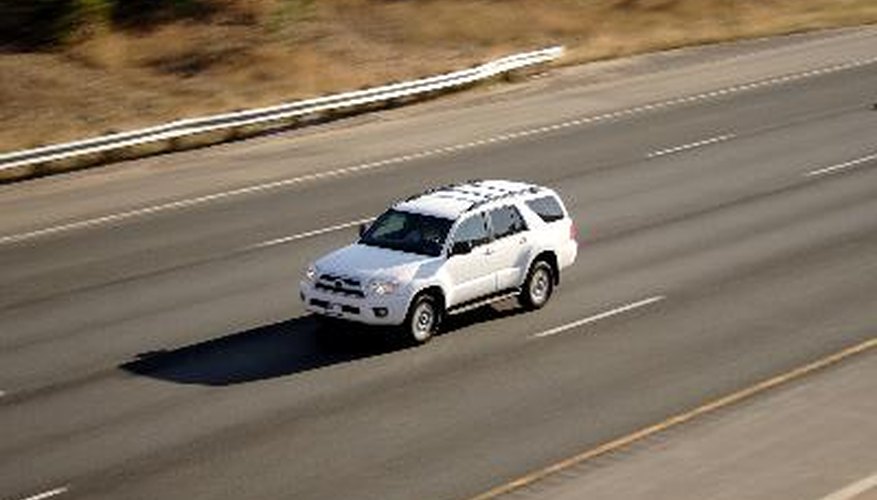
{"x": 152, "y": 344}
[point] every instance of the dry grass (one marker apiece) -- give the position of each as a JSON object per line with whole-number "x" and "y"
{"x": 257, "y": 52}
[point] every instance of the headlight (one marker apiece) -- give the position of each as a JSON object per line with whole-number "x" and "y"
{"x": 311, "y": 273}
{"x": 382, "y": 287}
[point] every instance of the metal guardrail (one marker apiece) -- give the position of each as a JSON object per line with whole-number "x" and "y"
{"x": 231, "y": 121}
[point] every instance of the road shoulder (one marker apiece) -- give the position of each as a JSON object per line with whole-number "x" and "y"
{"x": 814, "y": 439}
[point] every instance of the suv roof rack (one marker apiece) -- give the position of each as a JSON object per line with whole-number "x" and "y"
{"x": 446, "y": 187}
{"x": 505, "y": 193}
{"x": 458, "y": 191}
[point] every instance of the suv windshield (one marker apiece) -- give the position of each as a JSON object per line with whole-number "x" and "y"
{"x": 408, "y": 232}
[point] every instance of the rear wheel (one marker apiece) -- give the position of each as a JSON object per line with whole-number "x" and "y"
{"x": 423, "y": 318}
{"x": 538, "y": 286}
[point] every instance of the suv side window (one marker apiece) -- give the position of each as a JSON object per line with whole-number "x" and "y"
{"x": 473, "y": 230}
{"x": 547, "y": 208}
{"x": 506, "y": 221}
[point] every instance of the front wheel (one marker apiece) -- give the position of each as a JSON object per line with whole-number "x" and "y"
{"x": 422, "y": 321}
{"x": 538, "y": 286}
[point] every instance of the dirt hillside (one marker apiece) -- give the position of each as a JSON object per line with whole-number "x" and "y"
{"x": 112, "y": 65}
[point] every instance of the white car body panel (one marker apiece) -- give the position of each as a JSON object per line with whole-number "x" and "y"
{"x": 465, "y": 277}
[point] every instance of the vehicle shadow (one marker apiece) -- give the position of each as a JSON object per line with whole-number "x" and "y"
{"x": 285, "y": 348}
{"x": 282, "y": 349}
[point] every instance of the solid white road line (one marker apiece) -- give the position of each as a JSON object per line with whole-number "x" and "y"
{"x": 598, "y": 317}
{"x": 48, "y": 494}
{"x": 307, "y": 234}
{"x": 842, "y": 166}
{"x": 854, "y": 489}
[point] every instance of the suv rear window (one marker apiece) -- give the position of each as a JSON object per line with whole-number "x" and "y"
{"x": 548, "y": 208}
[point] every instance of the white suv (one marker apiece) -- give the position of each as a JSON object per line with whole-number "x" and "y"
{"x": 447, "y": 250}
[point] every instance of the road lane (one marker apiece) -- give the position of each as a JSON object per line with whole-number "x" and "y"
{"x": 844, "y": 271}
{"x": 99, "y": 255}
{"x": 483, "y": 391}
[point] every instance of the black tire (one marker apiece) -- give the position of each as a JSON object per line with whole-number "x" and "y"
{"x": 422, "y": 320}
{"x": 538, "y": 286}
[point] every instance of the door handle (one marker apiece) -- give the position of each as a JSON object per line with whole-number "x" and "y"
{"x": 488, "y": 251}
{"x": 522, "y": 240}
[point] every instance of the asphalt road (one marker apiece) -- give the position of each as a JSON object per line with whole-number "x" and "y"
{"x": 162, "y": 353}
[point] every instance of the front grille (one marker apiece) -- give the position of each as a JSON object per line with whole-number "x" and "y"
{"x": 344, "y": 279}
{"x": 323, "y": 304}
{"x": 340, "y": 285}
{"x": 320, "y": 303}
{"x": 340, "y": 290}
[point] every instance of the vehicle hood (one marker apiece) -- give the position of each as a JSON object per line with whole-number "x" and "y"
{"x": 366, "y": 262}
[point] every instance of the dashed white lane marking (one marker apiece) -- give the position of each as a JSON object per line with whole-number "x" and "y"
{"x": 854, "y": 489}
{"x": 598, "y": 317}
{"x": 842, "y": 166}
{"x": 690, "y": 146}
{"x": 345, "y": 225}
{"x": 14, "y": 238}
{"x": 307, "y": 234}
{"x": 49, "y": 494}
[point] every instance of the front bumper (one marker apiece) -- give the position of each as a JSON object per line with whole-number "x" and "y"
{"x": 386, "y": 310}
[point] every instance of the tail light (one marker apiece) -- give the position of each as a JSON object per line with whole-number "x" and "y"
{"x": 573, "y": 232}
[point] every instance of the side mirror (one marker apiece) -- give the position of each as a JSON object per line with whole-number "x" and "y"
{"x": 363, "y": 228}
{"x": 461, "y": 248}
